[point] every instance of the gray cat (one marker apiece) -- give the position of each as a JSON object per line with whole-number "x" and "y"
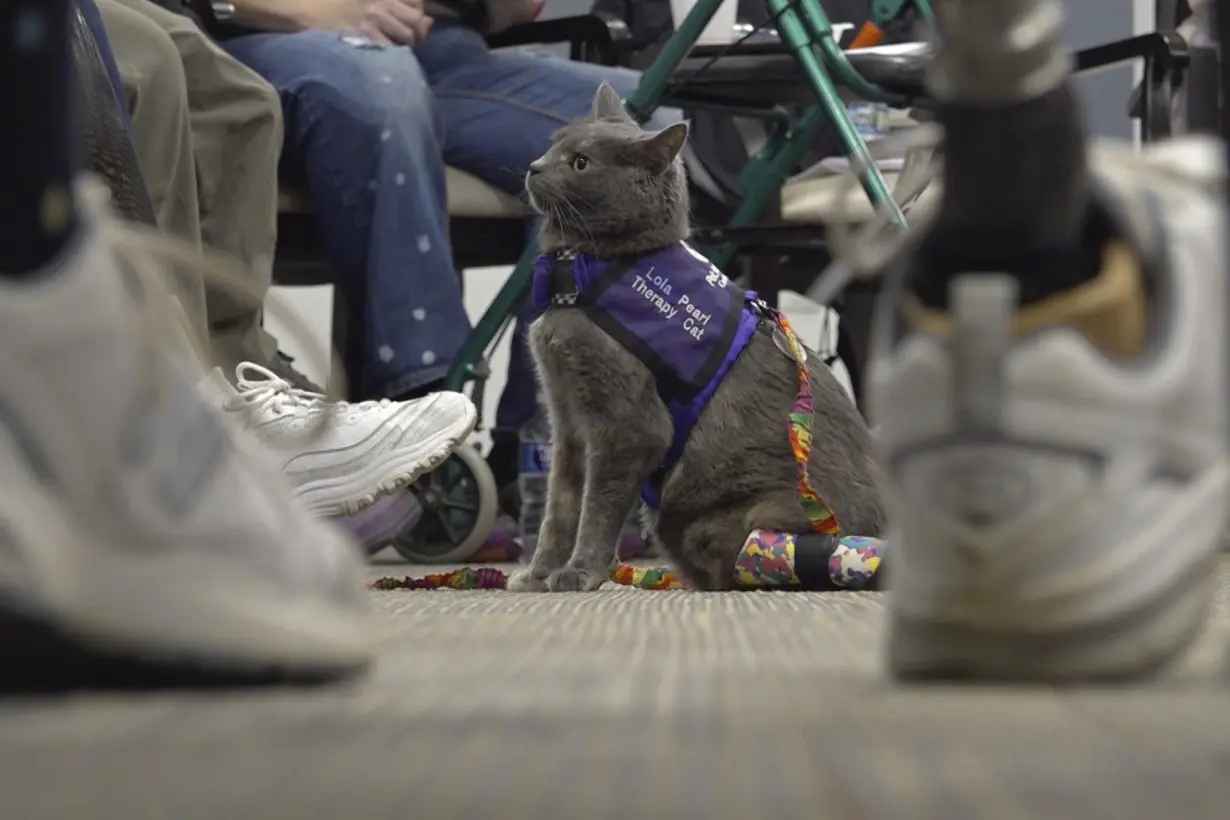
{"x": 608, "y": 190}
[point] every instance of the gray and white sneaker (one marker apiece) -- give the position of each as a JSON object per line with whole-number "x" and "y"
{"x": 138, "y": 543}
{"x": 1057, "y": 475}
{"x": 341, "y": 456}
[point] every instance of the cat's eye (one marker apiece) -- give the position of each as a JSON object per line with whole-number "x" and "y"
{"x": 580, "y": 162}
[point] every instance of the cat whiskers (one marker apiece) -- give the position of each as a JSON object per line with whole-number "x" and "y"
{"x": 554, "y": 214}
{"x": 567, "y": 223}
{"x": 580, "y": 224}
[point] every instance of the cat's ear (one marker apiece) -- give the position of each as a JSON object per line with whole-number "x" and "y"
{"x": 608, "y": 105}
{"x": 658, "y": 151}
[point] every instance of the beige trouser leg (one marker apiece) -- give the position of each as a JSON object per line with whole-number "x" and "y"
{"x": 236, "y": 127}
{"x": 154, "y": 83}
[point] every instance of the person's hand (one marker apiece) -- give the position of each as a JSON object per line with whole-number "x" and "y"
{"x": 402, "y": 22}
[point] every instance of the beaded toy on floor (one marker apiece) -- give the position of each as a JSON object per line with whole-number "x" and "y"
{"x": 491, "y": 578}
{"x": 769, "y": 560}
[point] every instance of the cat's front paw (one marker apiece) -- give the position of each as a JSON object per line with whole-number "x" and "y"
{"x": 576, "y": 579}
{"x": 525, "y": 580}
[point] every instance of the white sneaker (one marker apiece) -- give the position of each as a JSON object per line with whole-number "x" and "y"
{"x": 1056, "y": 508}
{"x": 341, "y": 457}
{"x": 136, "y": 539}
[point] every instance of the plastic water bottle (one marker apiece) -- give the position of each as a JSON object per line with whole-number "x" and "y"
{"x": 535, "y": 439}
{"x": 868, "y": 119}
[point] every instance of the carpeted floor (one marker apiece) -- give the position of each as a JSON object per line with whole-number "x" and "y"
{"x": 628, "y": 704}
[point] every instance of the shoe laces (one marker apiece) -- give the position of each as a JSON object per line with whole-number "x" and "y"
{"x": 260, "y": 390}
{"x": 145, "y": 256}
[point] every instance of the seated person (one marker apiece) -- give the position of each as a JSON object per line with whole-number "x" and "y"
{"x": 370, "y": 125}
{"x": 207, "y": 132}
{"x": 366, "y": 452}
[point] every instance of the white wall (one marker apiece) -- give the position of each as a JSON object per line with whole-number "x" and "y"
{"x": 1144, "y": 16}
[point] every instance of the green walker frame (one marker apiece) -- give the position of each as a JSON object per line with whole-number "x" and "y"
{"x": 806, "y": 31}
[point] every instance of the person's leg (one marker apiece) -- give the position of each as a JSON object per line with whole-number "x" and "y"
{"x": 523, "y": 96}
{"x": 119, "y": 483}
{"x": 93, "y": 20}
{"x": 156, "y": 89}
{"x": 378, "y": 448}
{"x": 236, "y": 122}
{"x": 363, "y": 135}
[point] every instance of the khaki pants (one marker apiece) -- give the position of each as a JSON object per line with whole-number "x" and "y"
{"x": 208, "y": 134}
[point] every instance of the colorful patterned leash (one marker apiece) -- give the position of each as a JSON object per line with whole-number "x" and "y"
{"x": 802, "y": 417}
{"x": 777, "y": 560}
{"x": 492, "y": 578}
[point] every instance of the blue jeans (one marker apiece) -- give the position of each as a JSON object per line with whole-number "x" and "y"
{"x": 368, "y": 132}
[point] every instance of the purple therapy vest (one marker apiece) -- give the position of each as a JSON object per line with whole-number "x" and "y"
{"x": 673, "y": 310}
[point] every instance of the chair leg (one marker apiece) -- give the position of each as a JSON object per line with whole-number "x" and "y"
{"x": 348, "y": 342}
{"x": 854, "y": 366}
{"x": 854, "y": 338}
{"x": 764, "y": 276}
{"x": 764, "y": 268}
{"x": 339, "y": 344}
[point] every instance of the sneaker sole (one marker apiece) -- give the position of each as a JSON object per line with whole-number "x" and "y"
{"x": 1137, "y": 644}
{"x": 1140, "y": 645}
{"x": 40, "y": 658}
{"x": 385, "y": 473}
{"x": 41, "y": 652}
{"x": 75, "y": 612}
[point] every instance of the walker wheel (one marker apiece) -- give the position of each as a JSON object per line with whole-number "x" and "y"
{"x": 460, "y": 503}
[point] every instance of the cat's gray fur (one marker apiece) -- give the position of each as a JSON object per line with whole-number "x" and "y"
{"x": 609, "y": 428}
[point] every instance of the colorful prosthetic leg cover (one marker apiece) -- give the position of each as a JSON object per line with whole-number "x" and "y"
{"x": 810, "y": 561}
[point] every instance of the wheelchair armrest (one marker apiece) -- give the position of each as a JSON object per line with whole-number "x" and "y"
{"x": 596, "y": 37}
{"x": 1166, "y": 57}
{"x": 1166, "y": 49}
